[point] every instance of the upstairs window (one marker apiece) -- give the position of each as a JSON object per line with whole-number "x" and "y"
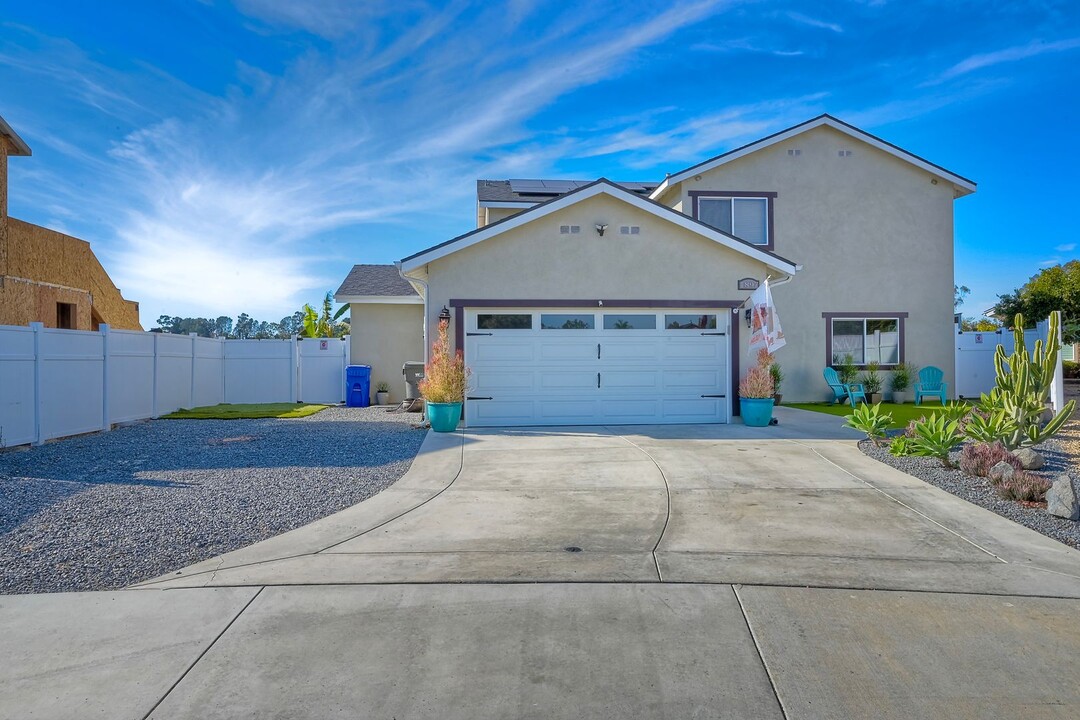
{"x": 747, "y": 216}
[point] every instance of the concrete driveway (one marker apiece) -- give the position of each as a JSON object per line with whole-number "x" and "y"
{"x": 681, "y": 571}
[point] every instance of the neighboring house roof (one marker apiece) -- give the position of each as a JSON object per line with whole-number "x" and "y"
{"x": 21, "y": 148}
{"x": 375, "y": 283}
{"x": 963, "y": 185}
{"x": 597, "y": 187}
{"x": 526, "y": 193}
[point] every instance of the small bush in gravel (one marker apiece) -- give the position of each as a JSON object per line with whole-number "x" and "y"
{"x": 1024, "y": 486}
{"x": 977, "y": 459}
{"x": 937, "y": 437}
{"x": 901, "y": 446}
{"x": 870, "y": 420}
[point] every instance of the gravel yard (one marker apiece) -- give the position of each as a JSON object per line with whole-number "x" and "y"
{"x": 107, "y": 510}
{"x": 1062, "y": 455}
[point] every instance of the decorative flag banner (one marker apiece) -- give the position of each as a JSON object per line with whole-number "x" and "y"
{"x": 765, "y": 329}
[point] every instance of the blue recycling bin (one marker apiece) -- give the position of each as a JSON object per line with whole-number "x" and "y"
{"x": 358, "y": 385}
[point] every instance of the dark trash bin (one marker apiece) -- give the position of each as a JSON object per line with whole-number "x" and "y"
{"x": 358, "y": 385}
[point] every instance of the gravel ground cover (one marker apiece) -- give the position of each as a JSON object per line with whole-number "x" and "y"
{"x": 979, "y": 491}
{"x": 104, "y": 511}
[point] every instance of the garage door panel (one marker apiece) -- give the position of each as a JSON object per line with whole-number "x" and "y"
{"x": 694, "y": 349}
{"x": 631, "y": 379}
{"x": 552, "y": 350}
{"x": 500, "y": 412}
{"x": 496, "y": 350}
{"x": 626, "y": 410}
{"x": 568, "y": 379}
{"x": 632, "y": 350}
{"x": 707, "y": 378}
{"x": 552, "y": 411}
{"x": 695, "y": 410}
{"x": 492, "y": 381}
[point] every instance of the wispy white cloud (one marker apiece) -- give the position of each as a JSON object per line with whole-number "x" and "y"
{"x": 743, "y": 45}
{"x": 1007, "y": 55}
{"x": 814, "y": 22}
{"x": 1066, "y": 247}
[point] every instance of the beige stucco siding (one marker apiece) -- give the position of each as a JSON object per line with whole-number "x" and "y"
{"x": 386, "y": 336}
{"x": 491, "y": 215}
{"x": 873, "y": 234}
{"x": 535, "y": 262}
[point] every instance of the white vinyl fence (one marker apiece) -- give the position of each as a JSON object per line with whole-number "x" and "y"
{"x": 55, "y": 383}
{"x": 975, "y": 372}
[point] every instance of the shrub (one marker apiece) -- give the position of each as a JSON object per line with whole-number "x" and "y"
{"x": 954, "y": 410}
{"x": 1070, "y": 369}
{"x": 901, "y": 446}
{"x": 777, "y": 376}
{"x": 446, "y": 379}
{"x": 871, "y": 378}
{"x": 901, "y": 377}
{"x": 1024, "y": 486}
{"x": 989, "y": 426}
{"x": 846, "y": 370}
{"x": 936, "y": 437}
{"x": 977, "y": 459}
{"x": 758, "y": 382}
{"x": 870, "y": 420}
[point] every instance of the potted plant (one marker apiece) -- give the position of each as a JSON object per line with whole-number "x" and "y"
{"x": 777, "y": 378}
{"x": 382, "y": 393}
{"x": 756, "y": 392}
{"x": 901, "y": 381}
{"x": 847, "y": 370}
{"x": 445, "y": 381}
{"x": 872, "y": 383}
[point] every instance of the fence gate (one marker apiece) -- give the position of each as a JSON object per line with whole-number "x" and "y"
{"x": 975, "y": 373}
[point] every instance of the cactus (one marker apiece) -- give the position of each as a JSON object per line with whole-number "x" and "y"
{"x": 1023, "y": 387}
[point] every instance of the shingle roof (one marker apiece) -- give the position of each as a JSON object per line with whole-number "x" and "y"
{"x": 504, "y": 190}
{"x": 379, "y": 280}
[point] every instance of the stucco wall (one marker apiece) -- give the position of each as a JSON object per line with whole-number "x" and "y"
{"x": 663, "y": 262}
{"x": 43, "y": 267}
{"x": 385, "y": 337}
{"x": 872, "y": 232}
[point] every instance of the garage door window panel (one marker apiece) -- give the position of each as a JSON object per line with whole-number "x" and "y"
{"x": 629, "y": 322}
{"x": 690, "y": 322}
{"x": 561, "y": 321}
{"x": 504, "y": 321}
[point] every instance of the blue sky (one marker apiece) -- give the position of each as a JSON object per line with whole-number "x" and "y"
{"x": 228, "y": 157}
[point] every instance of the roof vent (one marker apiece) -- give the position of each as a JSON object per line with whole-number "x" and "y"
{"x": 794, "y": 152}
{"x": 843, "y": 153}
{"x": 630, "y": 230}
{"x": 569, "y": 229}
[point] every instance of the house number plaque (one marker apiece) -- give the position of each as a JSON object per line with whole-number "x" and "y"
{"x": 749, "y": 284}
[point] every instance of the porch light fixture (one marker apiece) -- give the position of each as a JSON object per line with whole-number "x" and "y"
{"x": 444, "y": 315}
{"x": 600, "y": 228}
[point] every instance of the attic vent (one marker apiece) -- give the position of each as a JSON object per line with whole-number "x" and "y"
{"x": 794, "y": 152}
{"x": 843, "y": 153}
{"x": 569, "y": 229}
{"x": 630, "y": 230}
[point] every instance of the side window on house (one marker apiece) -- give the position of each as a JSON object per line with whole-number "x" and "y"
{"x": 866, "y": 340}
{"x": 745, "y": 218}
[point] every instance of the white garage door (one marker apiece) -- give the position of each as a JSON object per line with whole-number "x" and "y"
{"x": 594, "y": 366}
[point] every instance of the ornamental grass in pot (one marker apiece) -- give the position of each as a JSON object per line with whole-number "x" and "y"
{"x": 901, "y": 382}
{"x": 446, "y": 380}
{"x": 756, "y": 391}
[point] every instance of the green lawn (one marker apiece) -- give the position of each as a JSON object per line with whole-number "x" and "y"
{"x": 245, "y": 412}
{"x": 901, "y": 414}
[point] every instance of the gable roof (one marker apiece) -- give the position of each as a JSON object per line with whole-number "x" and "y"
{"x": 526, "y": 193}
{"x": 21, "y": 148}
{"x": 962, "y": 185}
{"x": 374, "y": 281}
{"x": 598, "y": 187}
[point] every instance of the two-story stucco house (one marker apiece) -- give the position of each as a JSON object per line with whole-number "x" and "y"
{"x": 611, "y": 302}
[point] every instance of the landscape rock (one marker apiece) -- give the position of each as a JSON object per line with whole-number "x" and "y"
{"x": 1061, "y": 499}
{"x": 1030, "y": 459}
{"x": 1001, "y": 472}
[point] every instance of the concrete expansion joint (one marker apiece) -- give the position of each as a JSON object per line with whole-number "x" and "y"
{"x": 760, "y": 654}
{"x": 896, "y": 500}
{"x": 667, "y": 496}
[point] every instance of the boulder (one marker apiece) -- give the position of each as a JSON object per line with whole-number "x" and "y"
{"x": 1030, "y": 459}
{"x": 1061, "y": 499}
{"x": 1001, "y": 472}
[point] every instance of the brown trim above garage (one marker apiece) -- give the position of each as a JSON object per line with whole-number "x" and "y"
{"x": 459, "y": 306}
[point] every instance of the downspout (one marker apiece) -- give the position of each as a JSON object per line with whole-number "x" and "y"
{"x": 406, "y": 278}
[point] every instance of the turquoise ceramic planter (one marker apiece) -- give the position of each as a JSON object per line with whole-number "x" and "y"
{"x": 756, "y": 412}
{"x": 443, "y": 417}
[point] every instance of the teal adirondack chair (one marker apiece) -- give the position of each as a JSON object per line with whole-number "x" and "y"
{"x": 850, "y": 392}
{"x": 931, "y": 385}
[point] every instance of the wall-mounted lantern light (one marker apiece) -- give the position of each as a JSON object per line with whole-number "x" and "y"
{"x": 444, "y": 315}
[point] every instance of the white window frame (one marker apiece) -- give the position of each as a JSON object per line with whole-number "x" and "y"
{"x": 863, "y": 361}
{"x": 734, "y": 231}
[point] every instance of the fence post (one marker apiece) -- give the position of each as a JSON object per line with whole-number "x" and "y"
{"x": 153, "y": 391}
{"x": 347, "y": 360}
{"x": 221, "y": 347}
{"x": 1057, "y": 385}
{"x": 38, "y": 363}
{"x": 294, "y": 381}
{"x": 106, "y": 338}
{"x": 191, "y": 402}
